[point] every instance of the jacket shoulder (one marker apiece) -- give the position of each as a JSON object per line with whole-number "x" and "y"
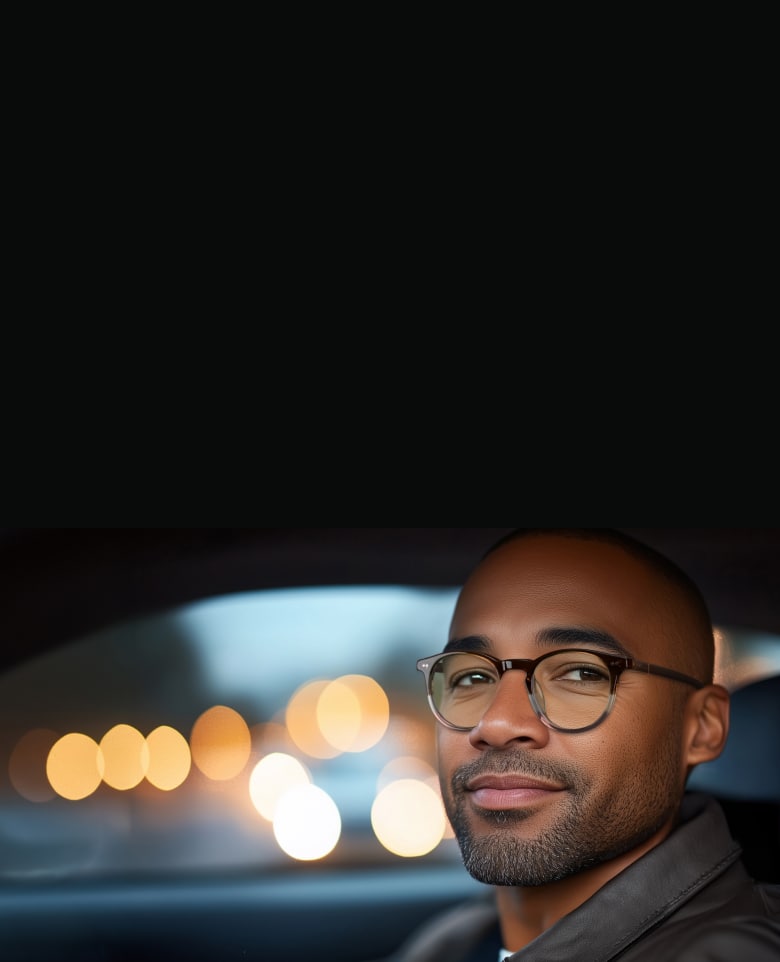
{"x": 734, "y": 918}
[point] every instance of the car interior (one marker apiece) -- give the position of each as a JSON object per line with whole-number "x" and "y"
{"x": 225, "y": 651}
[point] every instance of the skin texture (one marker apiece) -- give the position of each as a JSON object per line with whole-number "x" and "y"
{"x": 549, "y": 817}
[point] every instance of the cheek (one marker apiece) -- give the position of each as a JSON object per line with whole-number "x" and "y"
{"x": 645, "y": 712}
{"x": 452, "y": 749}
{"x": 443, "y": 743}
{"x": 641, "y": 732}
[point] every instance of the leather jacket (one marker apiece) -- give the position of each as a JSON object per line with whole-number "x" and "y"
{"x": 689, "y": 899}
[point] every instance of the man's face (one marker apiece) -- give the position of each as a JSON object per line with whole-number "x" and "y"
{"x": 531, "y": 805}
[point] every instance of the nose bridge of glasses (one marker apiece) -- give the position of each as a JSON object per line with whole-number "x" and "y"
{"x": 507, "y": 706}
{"x": 525, "y": 665}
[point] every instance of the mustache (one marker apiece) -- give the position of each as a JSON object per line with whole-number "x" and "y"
{"x": 515, "y": 763}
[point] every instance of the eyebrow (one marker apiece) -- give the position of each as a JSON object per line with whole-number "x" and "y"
{"x": 563, "y": 636}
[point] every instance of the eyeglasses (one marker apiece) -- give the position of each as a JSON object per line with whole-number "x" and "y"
{"x": 570, "y": 690}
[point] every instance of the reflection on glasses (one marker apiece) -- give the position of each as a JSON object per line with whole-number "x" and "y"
{"x": 570, "y": 690}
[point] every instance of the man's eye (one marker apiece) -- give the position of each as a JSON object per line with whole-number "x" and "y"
{"x": 583, "y": 673}
{"x": 469, "y": 679}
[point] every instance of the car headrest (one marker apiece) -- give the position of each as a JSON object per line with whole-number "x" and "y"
{"x": 749, "y": 766}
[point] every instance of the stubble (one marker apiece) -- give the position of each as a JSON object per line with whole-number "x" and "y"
{"x": 591, "y": 827}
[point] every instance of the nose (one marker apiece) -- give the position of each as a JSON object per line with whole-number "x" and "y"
{"x": 510, "y": 717}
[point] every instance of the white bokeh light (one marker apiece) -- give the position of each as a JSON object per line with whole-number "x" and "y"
{"x": 408, "y": 817}
{"x": 307, "y": 823}
{"x": 271, "y": 777}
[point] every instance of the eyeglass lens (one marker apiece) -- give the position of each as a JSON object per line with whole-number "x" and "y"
{"x": 572, "y": 688}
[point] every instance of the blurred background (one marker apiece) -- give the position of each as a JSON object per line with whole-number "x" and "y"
{"x": 200, "y": 701}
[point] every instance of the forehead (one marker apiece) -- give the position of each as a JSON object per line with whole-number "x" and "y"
{"x": 542, "y": 581}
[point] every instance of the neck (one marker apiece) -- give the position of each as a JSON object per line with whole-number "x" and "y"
{"x": 525, "y": 912}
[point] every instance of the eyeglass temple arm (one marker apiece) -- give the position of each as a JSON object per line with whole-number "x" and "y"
{"x": 666, "y": 672}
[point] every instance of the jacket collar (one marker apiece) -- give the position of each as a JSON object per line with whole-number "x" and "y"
{"x": 642, "y": 895}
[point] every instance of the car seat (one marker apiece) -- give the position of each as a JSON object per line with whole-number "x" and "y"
{"x": 745, "y": 778}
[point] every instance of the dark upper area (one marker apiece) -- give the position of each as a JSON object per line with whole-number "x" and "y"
{"x": 63, "y": 583}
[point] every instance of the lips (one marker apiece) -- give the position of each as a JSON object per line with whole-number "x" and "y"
{"x": 497, "y": 792}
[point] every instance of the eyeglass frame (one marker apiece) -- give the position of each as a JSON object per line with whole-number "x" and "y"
{"x": 615, "y": 664}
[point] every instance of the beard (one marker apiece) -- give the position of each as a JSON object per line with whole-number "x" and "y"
{"x": 591, "y": 827}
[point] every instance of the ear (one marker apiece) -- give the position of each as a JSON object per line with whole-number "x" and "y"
{"x": 707, "y": 723}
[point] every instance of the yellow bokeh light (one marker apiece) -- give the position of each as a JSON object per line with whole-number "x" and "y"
{"x": 74, "y": 766}
{"x": 170, "y": 759}
{"x": 220, "y": 743}
{"x": 338, "y": 715}
{"x": 307, "y": 823}
{"x": 408, "y": 817}
{"x": 353, "y": 713}
{"x": 271, "y": 777}
{"x": 301, "y": 720}
{"x": 125, "y": 757}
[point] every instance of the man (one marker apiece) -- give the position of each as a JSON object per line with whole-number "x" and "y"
{"x": 573, "y": 699}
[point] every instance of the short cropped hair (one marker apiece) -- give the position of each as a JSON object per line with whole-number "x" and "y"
{"x": 702, "y": 658}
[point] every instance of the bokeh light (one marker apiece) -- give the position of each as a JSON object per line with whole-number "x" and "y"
{"x": 74, "y": 766}
{"x": 353, "y": 713}
{"x": 170, "y": 759}
{"x": 408, "y": 817}
{"x": 302, "y": 722}
{"x": 307, "y": 824}
{"x": 220, "y": 743}
{"x": 125, "y": 757}
{"x": 271, "y": 777}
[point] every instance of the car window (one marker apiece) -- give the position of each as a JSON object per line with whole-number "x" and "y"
{"x": 251, "y": 730}
{"x": 262, "y": 731}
